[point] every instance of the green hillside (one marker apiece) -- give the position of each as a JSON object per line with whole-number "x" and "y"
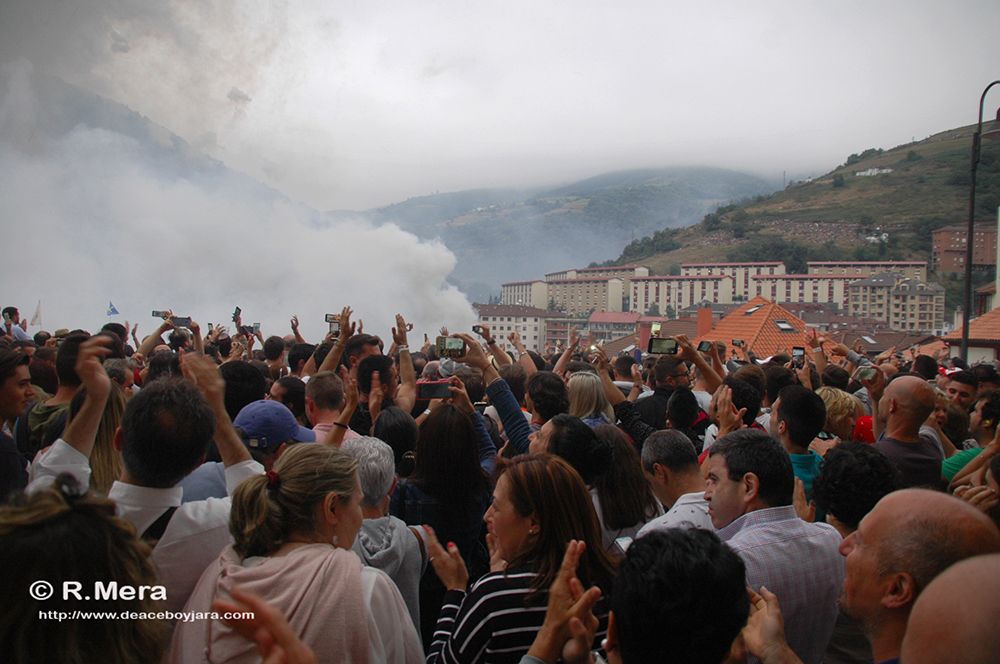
{"x": 831, "y": 217}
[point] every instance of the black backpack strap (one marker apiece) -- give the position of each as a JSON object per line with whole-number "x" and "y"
{"x": 155, "y": 531}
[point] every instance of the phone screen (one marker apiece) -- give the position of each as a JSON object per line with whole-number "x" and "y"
{"x": 434, "y": 390}
{"x": 662, "y": 346}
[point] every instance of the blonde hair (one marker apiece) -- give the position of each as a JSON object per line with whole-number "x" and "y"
{"x": 105, "y": 460}
{"x": 60, "y": 534}
{"x": 839, "y": 404}
{"x": 265, "y": 512}
{"x": 586, "y": 396}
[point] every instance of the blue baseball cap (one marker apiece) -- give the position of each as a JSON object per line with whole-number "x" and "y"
{"x": 268, "y": 424}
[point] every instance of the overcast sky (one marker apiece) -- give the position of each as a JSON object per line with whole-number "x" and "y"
{"x": 352, "y": 105}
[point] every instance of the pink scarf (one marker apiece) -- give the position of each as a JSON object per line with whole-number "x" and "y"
{"x": 318, "y": 589}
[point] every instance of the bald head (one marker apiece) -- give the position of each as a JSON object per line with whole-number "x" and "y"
{"x": 888, "y": 369}
{"x": 908, "y": 401}
{"x": 925, "y": 532}
{"x": 957, "y": 613}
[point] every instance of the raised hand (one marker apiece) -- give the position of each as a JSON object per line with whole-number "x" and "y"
{"x": 448, "y": 563}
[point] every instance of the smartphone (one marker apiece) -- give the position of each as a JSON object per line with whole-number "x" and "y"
{"x": 181, "y": 321}
{"x": 209, "y": 327}
{"x": 704, "y": 346}
{"x": 437, "y": 389}
{"x": 654, "y": 329}
{"x": 737, "y": 342}
{"x": 623, "y": 543}
{"x": 236, "y": 314}
{"x": 160, "y": 314}
{"x": 798, "y": 355}
{"x": 478, "y": 329}
{"x": 334, "y": 321}
{"x": 659, "y": 346}
{"x": 864, "y": 373}
{"x": 452, "y": 347}
{"x": 247, "y": 330}
{"x": 256, "y": 328}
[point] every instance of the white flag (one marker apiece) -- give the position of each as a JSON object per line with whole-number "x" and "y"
{"x": 37, "y": 318}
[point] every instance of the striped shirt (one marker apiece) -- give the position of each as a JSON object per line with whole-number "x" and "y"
{"x": 799, "y": 562}
{"x": 493, "y": 622}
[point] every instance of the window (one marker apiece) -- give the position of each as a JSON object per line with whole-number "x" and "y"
{"x": 784, "y": 326}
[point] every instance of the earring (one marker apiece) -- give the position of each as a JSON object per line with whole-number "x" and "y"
{"x": 533, "y": 531}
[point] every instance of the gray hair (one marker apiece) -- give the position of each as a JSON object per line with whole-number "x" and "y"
{"x": 117, "y": 368}
{"x": 376, "y": 467}
{"x": 669, "y": 448}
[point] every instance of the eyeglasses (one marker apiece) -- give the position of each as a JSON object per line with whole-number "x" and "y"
{"x": 681, "y": 375}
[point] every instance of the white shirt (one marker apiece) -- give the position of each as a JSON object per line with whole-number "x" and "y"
{"x": 196, "y": 535}
{"x": 690, "y": 511}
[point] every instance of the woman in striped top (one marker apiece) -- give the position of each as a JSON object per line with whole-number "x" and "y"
{"x": 540, "y": 503}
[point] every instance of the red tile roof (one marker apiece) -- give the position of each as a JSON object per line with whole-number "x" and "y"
{"x": 590, "y": 279}
{"x": 759, "y": 330}
{"x": 521, "y": 283}
{"x": 984, "y": 328}
{"x": 597, "y": 269}
{"x": 630, "y": 317}
{"x": 845, "y": 263}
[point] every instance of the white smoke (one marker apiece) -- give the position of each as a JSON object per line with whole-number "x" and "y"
{"x": 90, "y": 217}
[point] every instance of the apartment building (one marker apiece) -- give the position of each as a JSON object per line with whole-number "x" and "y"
{"x": 579, "y": 297}
{"x": 906, "y": 304}
{"x": 525, "y": 294}
{"x": 529, "y": 322}
{"x": 741, "y": 273}
{"x": 680, "y": 292}
{"x": 803, "y": 288}
{"x": 862, "y": 269}
{"x": 951, "y": 245}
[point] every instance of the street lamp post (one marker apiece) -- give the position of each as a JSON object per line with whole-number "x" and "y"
{"x": 992, "y": 133}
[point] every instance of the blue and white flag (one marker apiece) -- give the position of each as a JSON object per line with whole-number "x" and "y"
{"x": 111, "y": 309}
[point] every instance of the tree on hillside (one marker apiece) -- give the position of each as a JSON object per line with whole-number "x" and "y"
{"x": 838, "y": 180}
{"x": 674, "y": 270}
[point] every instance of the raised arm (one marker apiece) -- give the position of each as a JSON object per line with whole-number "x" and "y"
{"x": 295, "y": 330}
{"x": 340, "y": 427}
{"x": 690, "y": 353}
{"x": 332, "y": 358}
{"x": 81, "y": 431}
{"x": 487, "y": 450}
{"x": 201, "y": 370}
{"x": 819, "y": 357}
{"x": 498, "y": 353}
{"x": 523, "y": 359}
{"x": 406, "y": 395}
{"x": 574, "y": 341}
{"x": 149, "y": 343}
{"x": 511, "y": 415}
{"x": 196, "y": 341}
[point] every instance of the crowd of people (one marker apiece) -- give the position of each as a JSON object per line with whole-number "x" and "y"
{"x": 190, "y": 498}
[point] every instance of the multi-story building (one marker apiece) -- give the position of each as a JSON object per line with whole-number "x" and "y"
{"x": 862, "y": 269}
{"x": 742, "y": 274}
{"x": 577, "y": 291}
{"x": 609, "y": 325}
{"x": 529, "y": 322}
{"x": 525, "y": 294}
{"x": 951, "y": 245}
{"x": 623, "y": 272}
{"x": 579, "y": 297}
{"x": 905, "y": 304}
{"x": 803, "y": 288}
{"x": 679, "y": 292}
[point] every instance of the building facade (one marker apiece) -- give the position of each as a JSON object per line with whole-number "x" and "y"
{"x": 862, "y": 269}
{"x": 529, "y": 322}
{"x": 951, "y": 245}
{"x": 908, "y": 305}
{"x": 741, "y": 273}
{"x": 580, "y": 297}
{"x": 679, "y": 292}
{"x": 525, "y": 294}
